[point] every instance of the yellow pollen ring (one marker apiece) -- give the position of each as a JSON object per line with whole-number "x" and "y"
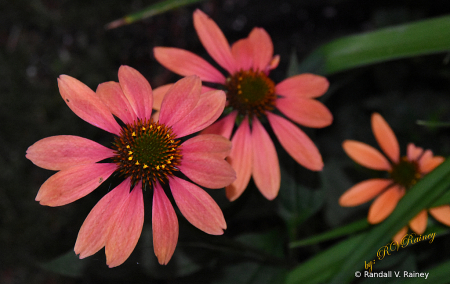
{"x": 133, "y": 134}
{"x": 145, "y": 166}
{"x": 137, "y": 163}
{"x": 130, "y": 158}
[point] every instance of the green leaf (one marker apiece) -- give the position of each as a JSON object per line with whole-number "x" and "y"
{"x": 338, "y": 232}
{"x": 67, "y": 264}
{"x": 150, "y": 11}
{"x": 417, "y": 38}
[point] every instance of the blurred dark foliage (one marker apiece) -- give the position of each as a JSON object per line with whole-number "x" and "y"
{"x": 41, "y": 39}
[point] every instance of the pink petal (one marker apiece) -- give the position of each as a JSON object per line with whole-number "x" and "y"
{"x": 223, "y": 126}
{"x": 366, "y": 155}
{"x": 413, "y": 153}
{"x": 65, "y": 151}
{"x": 241, "y": 160}
{"x": 307, "y": 112}
{"x": 158, "y": 95}
{"x": 137, "y": 90}
{"x": 71, "y": 184}
{"x": 419, "y": 223}
{"x": 86, "y": 104}
{"x": 97, "y": 226}
{"x": 266, "y": 169}
{"x": 214, "y": 41}
{"x": 197, "y": 206}
{"x": 442, "y": 214}
{"x": 363, "y": 192}
{"x": 262, "y": 48}
{"x": 207, "y": 170}
{"x": 383, "y": 206}
{"x": 208, "y": 109}
{"x": 126, "y": 228}
{"x": 186, "y": 63}
{"x": 180, "y": 100}
{"x": 112, "y": 96}
{"x": 242, "y": 51}
{"x": 296, "y": 143}
{"x": 385, "y": 138}
{"x": 164, "y": 225}
{"x": 209, "y": 144}
{"x": 303, "y": 85}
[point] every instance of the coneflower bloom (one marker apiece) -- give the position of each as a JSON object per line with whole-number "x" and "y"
{"x": 403, "y": 172}
{"x": 147, "y": 153}
{"x": 253, "y": 97}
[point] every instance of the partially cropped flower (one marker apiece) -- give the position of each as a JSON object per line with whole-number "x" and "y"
{"x": 147, "y": 153}
{"x": 403, "y": 173}
{"x": 253, "y": 97}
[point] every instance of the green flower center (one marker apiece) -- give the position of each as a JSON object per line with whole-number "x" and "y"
{"x": 147, "y": 151}
{"x": 406, "y": 173}
{"x": 250, "y": 92}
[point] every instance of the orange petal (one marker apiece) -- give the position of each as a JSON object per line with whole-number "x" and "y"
{"x": 442, "y": 214}
{"x": 158, "y": 95}
{"x": 385, "y": 137}
{"x": 223, "y": 126}
{"x": 366, "y": 155}
{"x": 419, "y": 223}
{"x": 127, "y": 228}
{"x": 262, "y": 48}
{"x": 363, "y": 192}
{"x": 400, "y": 234}
{"x": 383, "y": 206}
{"x": 214, "y": 41}
{"x": 306, "y": 112}
{"x": 197, "y": 206}
{"x": 242, "y": 51}
{"x": 241, "y": 160}
{"x": 427, "y": 165}
{"x": 164, "y": 226}
{"x": 303, "y": 86}
{"x": 412, "y": 152}
{"x": 113, "y": 97}
{"x": 266, "y": 169}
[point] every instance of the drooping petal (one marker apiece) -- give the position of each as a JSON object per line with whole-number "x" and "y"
{"x": 197, "y": 206}
{"x": 385, "y": 137}
{"x": 180, "y": 100}
{"x": 96, "y": 228}
{"x": 164, "y": 226}
{"x": 262, "y": 48}
{"x": 186, "y": 63}
{"x": 209, "y": 144}
{"x": 86, "y": 104}
{"x": 441, "y": 213}
{"x": 364, "y": 191}
{"x": 71, "y": 184}
{"x": 400, "y": 234}
{"x": 242, "y": 51}
{"x": 126, "y": 228}
{"x": 366, "y": 155}
{"x": 307, "y": 112}
{"x": 214, "y": 41}
{"x": 419, "y": 223}
{"x": 208, "y": 109}
{"x": 158, "y": 95}
{"x": 296, "y": 143}
{"x": 65, "y": 151}
{"x": 207, "y": 169}
{"x": 412, "y": 152}
{"x": 137, "y": 90}
{"x": 223, "y": 126}
{"x": 241, "y": 160}
{"x": 383, "y": 206}
{"x": 113, "y": 97}
{"x": 266, "y": 168}
{"x": 303, "y": 85}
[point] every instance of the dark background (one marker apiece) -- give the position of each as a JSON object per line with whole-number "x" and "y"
{"x": 41, "y": 39}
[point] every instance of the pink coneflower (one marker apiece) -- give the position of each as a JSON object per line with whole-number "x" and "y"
{"x": 403, "y": 172}
{"x": 251, "y": 97}
{"x": 147, "y": 153}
